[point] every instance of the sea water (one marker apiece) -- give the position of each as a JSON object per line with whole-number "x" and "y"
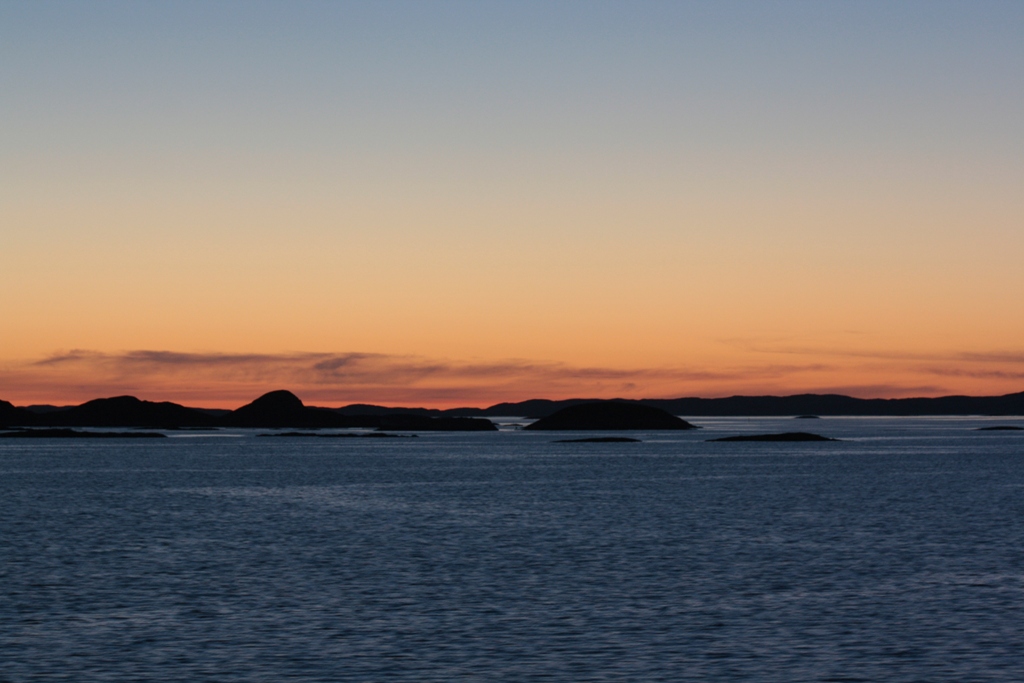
{"x": 896, "y": 554}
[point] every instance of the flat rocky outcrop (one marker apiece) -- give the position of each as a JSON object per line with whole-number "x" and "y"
{"x": 342, "y": 435}
{"x": 786, "y": 436}
{"x": 609, "y": 415}
{"x": 600, "y": 439}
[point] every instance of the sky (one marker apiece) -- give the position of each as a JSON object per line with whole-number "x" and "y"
{"x": 460, "y": 203}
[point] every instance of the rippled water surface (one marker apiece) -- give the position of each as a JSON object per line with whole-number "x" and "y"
{"x": 896, "y": 554}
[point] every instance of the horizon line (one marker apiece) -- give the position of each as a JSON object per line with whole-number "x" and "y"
{"x": 552, "y": 400}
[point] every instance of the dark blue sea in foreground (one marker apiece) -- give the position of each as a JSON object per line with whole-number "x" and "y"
{"x": 896, "y": 554}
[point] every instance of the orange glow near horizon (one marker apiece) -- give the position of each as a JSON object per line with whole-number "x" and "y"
{"x": 709, "y": 302}
{"x": 231, "y": 380}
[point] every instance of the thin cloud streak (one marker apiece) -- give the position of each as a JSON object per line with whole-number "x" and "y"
{"x": 1005, "y": 357}
{"x": 976, "y": 374}
{"x": 381, "y": 368}
{"x": 231, "y": 379}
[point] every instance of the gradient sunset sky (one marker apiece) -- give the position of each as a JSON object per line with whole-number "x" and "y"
{"x": 441, "y": 203}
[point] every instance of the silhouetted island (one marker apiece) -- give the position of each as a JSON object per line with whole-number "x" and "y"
{"x": 610, "y": 415}
{"x": 806, "y": 417}
{"x": 600, "y": 439}
{"x": 341, "y": 435}
{"x": 787, "y": 436}
{"x": 1000, "y": 428}
{"x": 282, "y": 409}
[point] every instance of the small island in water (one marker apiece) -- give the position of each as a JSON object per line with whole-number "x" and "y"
{"x": 786, "y": 436}
{"x": 600, "y": 439}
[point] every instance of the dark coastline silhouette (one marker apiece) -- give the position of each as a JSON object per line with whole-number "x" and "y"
{"x": 609, "y": 415}
{"x": 834, "y": 404}
{"x": 274, "y": 410}
{"x": 282, "y": 409}
{"x": 11, "y": 416}
{"x": 803, "y": 404}
{"x": 820, "y": 405}
{"x": 126, "y": 411}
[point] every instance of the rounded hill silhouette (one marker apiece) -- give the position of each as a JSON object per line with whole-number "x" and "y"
{"x": 280, "y": 401}
{"x": 609, "y": 415}
{"x": 281, "y": 409}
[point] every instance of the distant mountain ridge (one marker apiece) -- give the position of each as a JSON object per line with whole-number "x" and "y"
{"x": 282, "y": 409}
